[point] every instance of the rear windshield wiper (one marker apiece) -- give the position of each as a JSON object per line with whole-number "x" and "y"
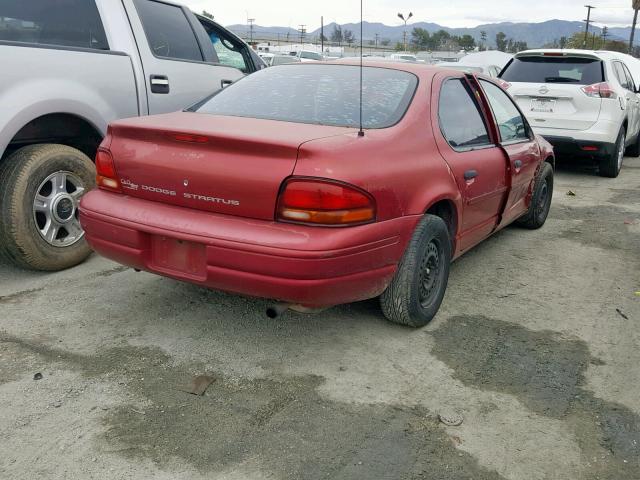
{"x": 561, "y": 80}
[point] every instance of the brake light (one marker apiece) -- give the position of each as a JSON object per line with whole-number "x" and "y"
{"x": 599, "y": 90}
{"x": 324, "y": 202}
{"x": 553, "y": 54}
{"x": 503, "y": 84}
{"x": 188, "y": 137}
{"x": 106, "y": 176}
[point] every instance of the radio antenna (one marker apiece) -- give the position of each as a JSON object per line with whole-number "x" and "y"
{"x": 361, "y": 131}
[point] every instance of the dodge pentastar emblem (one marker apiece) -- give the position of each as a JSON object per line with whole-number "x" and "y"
{"x": 186, "y": 182}
{"x": 543, "y": 90}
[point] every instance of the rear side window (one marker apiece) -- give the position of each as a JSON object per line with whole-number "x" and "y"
{"x": 228, "y": 50}
{"x": 65, "y": 23}
{"x": 569, "y": 70}
{"x": 168, "y": 31}
{"x": 460, "y": 120}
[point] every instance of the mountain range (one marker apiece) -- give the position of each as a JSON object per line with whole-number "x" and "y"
{"x": 535, "y": 34}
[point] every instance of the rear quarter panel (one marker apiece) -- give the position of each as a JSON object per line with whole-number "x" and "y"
{"x": 400, "y": 166}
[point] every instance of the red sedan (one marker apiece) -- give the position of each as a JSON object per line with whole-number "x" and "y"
{"x": 269, "y": 189}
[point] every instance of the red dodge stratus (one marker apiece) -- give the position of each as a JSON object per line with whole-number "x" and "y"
{"x": 269, "y": 189}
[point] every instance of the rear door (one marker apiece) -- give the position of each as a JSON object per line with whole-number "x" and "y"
{"x": 548, "y": 89}
{"x": 468, "y": 146}
{"x": 179, "y": 67}
{"x": 519, "y": 144}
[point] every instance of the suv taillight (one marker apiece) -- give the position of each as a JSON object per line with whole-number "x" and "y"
{"x": 106, "y": 176}
{"x": 599, "y": 90}
{"x": 324, "y": 202}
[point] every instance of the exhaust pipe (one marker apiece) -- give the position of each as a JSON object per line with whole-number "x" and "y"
{"x": 274, "y": 311}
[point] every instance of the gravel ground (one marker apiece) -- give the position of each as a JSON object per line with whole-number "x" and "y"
{"x": 536, "y": 347}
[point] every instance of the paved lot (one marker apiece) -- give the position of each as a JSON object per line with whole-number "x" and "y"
{"x": 537, "y": 345}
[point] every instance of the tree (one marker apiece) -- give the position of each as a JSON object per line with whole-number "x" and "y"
{"x": 385, "y": 42}
{"x": 501, "y": 41}
{"x": 207, "y": 14}
{"x": 467, "y": 42}
{"x": 563, "y": 42}
{"x": 336, "y": 35}
{"x": 348, "y": 36}
{"x": 420, "y": 38}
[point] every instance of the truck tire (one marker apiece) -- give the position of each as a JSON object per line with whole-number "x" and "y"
{"x": 611, "y": 165}
{"x": 40, "y": 188}
{"x": 414, "y": 295}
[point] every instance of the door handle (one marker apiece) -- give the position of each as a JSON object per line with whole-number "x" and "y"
{"x": 470, "y": 175}
{"x": 225, "y": 83}
{"x": 159, "y": 84}
{"x": 517, "y": 164}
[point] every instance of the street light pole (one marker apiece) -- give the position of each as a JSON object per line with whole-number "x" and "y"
{"x": 405, "y": 20}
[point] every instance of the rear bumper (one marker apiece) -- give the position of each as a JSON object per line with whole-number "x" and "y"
{"x": 596, "y": 142}
{"x": 580, "y": 148}
{"x": 304, "y": 265}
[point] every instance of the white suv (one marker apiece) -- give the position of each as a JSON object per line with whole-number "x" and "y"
{"x": 584, "y": 103}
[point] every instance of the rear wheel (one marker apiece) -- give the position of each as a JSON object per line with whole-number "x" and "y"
{"x": 415, "y": 294}
{"x": 633, "y": 150}
{"x": 40, "y": 188}
{"x": 610, "y": 166}
{"x": 538, "y": 211}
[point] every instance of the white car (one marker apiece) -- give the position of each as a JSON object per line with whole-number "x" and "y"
{"x": 489, "y": 70}
{"x": 584, "y": 103}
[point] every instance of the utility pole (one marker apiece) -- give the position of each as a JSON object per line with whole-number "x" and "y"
{"x": 588, "y": 20}
{"x": 605, "y": 34}
{"x": 377, "y": 36}
{"x": 405, "y": 20}
{"x": 636, "y": 6}
{"x": 322, "y": 34}
{"x": 302, "y": 32}
{"x": 250, "y": 22}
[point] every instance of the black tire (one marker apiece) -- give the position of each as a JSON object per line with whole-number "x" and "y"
{"x": 405, "y": 300}
{"x": 21, "y": 176}
{"x": 540, "y": 205}
{"x": 610, "y": 166}
{"x": 633, "y": 150}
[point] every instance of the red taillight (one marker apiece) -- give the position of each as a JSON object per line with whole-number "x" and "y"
{"x": 553, "y": 54}
{"x": 188, "y": 137}
{"x": 503, "y": 84}
{"x": 324, "y": 202}
{"x": 106, "y": 176}
{"x": 599, "y": 90}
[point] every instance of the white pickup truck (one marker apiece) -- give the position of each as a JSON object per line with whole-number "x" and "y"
{"x": 69, "y": 67}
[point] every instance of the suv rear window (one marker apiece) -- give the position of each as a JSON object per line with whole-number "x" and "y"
{"x": 570, "y": 70}
{"x": 318, "y": 94}
{"x": 67, "y": 23}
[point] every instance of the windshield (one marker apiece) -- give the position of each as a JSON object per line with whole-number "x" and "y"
{"x": 318, "y": 94}
{"x": 576, "y": 70}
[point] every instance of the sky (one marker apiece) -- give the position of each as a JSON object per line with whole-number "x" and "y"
{"x": 450, "y": 13}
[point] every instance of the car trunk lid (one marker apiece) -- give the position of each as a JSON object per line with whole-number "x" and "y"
{"x": 228, "y": 165}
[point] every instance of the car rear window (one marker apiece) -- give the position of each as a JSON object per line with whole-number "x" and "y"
{"x": 570, "y": 70}
{"x": 318, "y": 94}
{"x": 65, "y": 23}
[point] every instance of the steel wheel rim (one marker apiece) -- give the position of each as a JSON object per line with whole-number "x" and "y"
{"x": 55, "y": 209}
{"x": 429, "y": 279}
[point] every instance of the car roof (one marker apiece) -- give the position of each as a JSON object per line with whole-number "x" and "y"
{"x": 420, "y": 69}
{"x": 600, "y": 54}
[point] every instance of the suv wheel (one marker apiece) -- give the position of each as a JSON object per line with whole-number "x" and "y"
{"x": 40, "y": 189}
{"x": 611, "y": 165}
